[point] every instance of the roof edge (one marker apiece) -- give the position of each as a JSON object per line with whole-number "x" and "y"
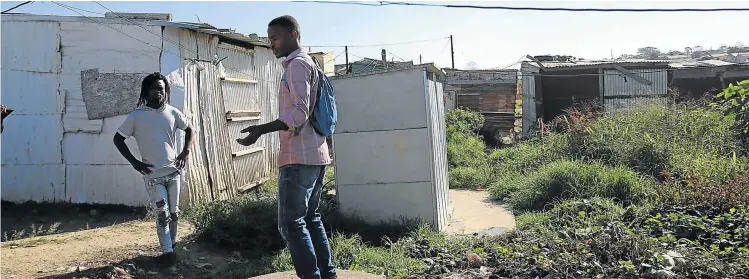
{"x": 429, "y": 67}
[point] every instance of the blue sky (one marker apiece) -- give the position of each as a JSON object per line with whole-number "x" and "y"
{"x": 491, "y": 38}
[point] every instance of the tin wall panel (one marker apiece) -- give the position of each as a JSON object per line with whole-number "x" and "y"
{"x": 617, "y": 84}
{"x": 200, "y": 184}
{"x": 434, "y": 94}
{"x": 268, "y": 70}
{"x": 239, "y": 63}
{"x": 612, "y": 105}
{"x": 216, "y": 134}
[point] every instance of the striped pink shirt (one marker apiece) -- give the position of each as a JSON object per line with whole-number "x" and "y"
{"x": 300, "y": 144}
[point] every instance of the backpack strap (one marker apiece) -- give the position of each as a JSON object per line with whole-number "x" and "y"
{"x": 319, "y": 71}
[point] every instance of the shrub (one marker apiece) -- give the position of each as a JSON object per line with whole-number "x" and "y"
{"x": 244, "y": 222}
{"x": 469, "y": 178}
{"x": 569, "y": 179}
{"x": 527, "y": 157}
{"x": 465, "y": 151}
{"x": 464, "y": 121}
{"x": 732, "y": 101}
{"x": 699, "y": 192}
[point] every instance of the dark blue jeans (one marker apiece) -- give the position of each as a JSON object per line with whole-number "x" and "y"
{"x": 299, "y": 191}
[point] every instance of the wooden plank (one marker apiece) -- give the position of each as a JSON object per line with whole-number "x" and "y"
{"x": 252, "y": 185}
{"x": 246, "y": 118}
{"x": 247, "y": 151}
{"x": 239, "y": 80}
{"x": 242, "y": 113}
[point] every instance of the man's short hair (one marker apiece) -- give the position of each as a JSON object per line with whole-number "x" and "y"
{"x": 287, "y": 22}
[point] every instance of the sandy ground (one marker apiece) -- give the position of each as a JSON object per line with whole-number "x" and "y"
{"x": 474, "y": 212}
{"x": 48, "y": 256}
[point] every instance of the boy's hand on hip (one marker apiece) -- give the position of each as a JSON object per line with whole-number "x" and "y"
{"x": 141, "y": 167}
{"x": 182, "y": 160}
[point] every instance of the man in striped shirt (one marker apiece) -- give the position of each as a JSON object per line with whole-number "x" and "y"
{"x": 303, "y": 156}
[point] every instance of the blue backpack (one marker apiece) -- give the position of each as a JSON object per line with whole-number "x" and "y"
{"x": 324, "y": 114}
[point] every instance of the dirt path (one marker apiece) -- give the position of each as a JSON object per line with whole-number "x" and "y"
{"x": 47, "y": 256}
{"x": 474, "y": 212}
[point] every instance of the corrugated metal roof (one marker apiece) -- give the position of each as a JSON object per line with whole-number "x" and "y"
{"x": 634, "y": 62}
{"x": 252, "y": 39}
{"x": 430, "y": 67}
{"x": 369, "y": 65}
{"x": 587, "y": 63}
{"x": 703, "y": 63}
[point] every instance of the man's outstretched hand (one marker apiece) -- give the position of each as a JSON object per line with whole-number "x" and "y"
{"x": 254, "y": 134}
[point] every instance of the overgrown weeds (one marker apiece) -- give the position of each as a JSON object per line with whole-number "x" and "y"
{"x": 563, "y": 180}
{"x": 649, "y": 192}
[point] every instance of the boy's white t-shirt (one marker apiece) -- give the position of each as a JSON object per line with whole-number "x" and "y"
{"x": 155, "y": 131}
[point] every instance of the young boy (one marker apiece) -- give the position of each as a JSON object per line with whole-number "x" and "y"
{"x": 154, "y": 125}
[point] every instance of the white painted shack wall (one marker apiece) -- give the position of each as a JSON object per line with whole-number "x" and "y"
{"x": 101, "y": 174}
{"x": 53, "y": 152}
{"x": 388, "y": 162}
{"x": 32, "y": 167}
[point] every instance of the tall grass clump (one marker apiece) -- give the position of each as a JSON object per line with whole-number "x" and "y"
{"x": 244, "y": 222}
{"x": 466, "y": 152}
{"x": 563, "y": 180}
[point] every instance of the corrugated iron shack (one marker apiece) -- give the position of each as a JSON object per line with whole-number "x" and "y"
{"x": 550, "y": 87}
{"x": 696, "y": 79}
{"x": 72, "y": 80}
{"x": 491, "y": 92}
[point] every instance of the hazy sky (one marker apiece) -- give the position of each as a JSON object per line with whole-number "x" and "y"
{"x": 491, "y": 38}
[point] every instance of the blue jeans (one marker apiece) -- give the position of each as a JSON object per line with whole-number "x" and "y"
{"x": 299, "y": 191}
{"x": 164, "y": 196}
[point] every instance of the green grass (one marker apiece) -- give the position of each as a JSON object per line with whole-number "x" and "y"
{"x": 563, "y": 180}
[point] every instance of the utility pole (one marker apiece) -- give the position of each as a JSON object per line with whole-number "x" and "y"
{"x": 348, "y": 67}
{"x": 384, "y": 59}
{"x": 452, "y": 51}
{"x": 419, "y": 58}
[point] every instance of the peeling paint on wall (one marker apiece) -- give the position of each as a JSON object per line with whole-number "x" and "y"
{"x": 110, "y": 94}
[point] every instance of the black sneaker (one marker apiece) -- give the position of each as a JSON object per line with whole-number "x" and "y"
{"x": 169, "y": 261}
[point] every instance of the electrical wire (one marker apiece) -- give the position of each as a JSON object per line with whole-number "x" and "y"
{"x": 387, "y": 3}
{"x": 396, "y": 56}
{"x": 441, "y": 52}
{"x": 386, "y": 44}
{"x": 334, "y": 58}
{"x": 237, "y": 71}
{"x": 74, "y": 9}
{"x": 17, "y": 6}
